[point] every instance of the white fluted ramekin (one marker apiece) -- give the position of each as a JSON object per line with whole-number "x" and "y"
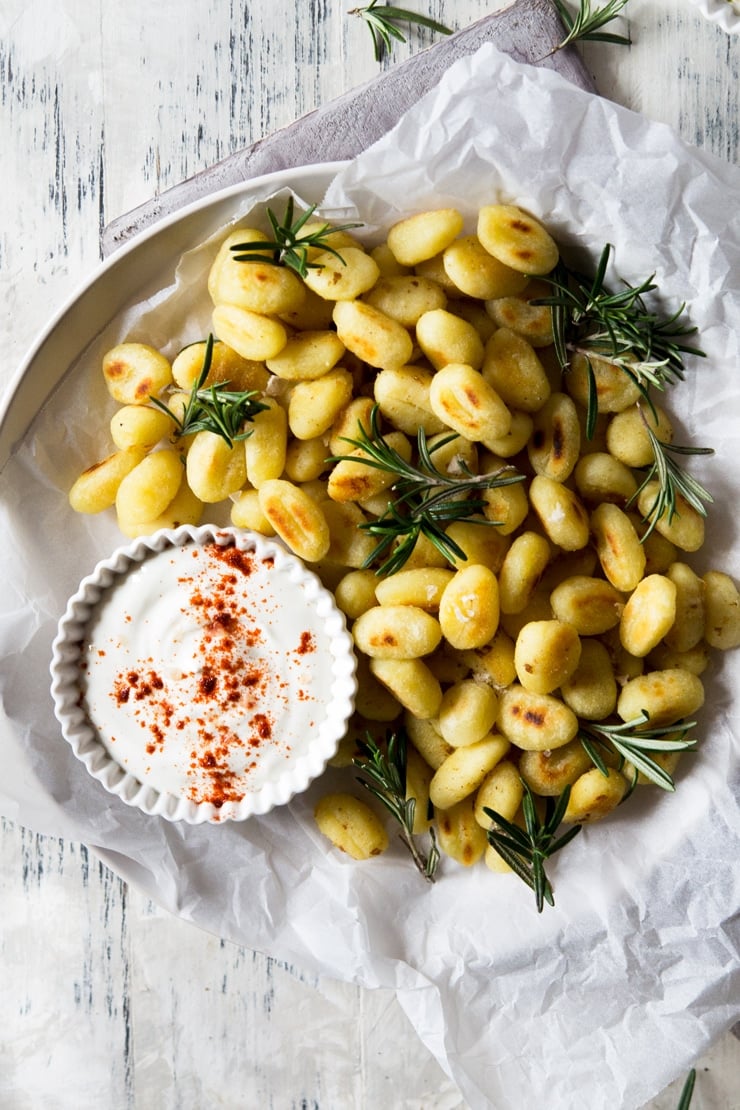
{"x": 297, "y": 596}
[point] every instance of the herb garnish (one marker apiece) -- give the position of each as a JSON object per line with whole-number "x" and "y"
{"x": 687, "y": 1092}
{"x": 525, "y": 850}
{"x": 289, "y": 248}
{"x": 587, "y": 23}
{"x": 672, "y": 480}
{"x": 385, "y": 778}
{"x": 382, "y": 22}
{"x": 218, "y": 410}
{"x": 632, "y": 742}
{"x": 426, "y": 498}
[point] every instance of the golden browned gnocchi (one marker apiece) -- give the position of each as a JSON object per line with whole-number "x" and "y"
{"x": 500, "y": 632}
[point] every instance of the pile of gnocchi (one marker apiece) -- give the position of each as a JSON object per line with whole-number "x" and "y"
{"x": 565, "y": 607}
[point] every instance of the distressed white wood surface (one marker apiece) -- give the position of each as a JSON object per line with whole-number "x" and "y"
{"x": 105, "y": 1000}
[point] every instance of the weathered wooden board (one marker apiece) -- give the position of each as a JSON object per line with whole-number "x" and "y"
{"x": 528, "y": 31}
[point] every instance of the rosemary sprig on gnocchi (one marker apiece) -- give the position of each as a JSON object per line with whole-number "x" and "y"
{"x": 295, "y": 241}
{"x": 541, "y": 642}
{"x": 214, "y": 409}
{"x": 426, "y": 499}
{"x": 526, "y": 849}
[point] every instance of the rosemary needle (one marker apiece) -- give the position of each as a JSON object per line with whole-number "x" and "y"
{"x": 383, "y": 25}
{"x": 218, "y": 410}
{"x": 426, "y": 498}
{"x": 385, "y": 778}
{"x": 289, "y": 247}
{"x": 673, "y": 481}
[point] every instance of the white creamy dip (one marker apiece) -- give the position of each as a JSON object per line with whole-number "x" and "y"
{"x": 201, "y": 672}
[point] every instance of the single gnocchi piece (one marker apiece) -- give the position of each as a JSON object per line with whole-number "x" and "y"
{"x": 396, "y": 632}
{"x": 445, "y": 338}
{"x": 424, "y": 735}
{"x": 140, "y": 426}
{"x": 406, "y": 297}
{"x": 459, "y": 835}
{"x": 535, "y": 722}
{"x": 548, "y": 773}
{"x": 135, "y": 372}
{"x": 477, "y": 273}
{"x": 556, "y": 438}
{"x": 594, "y": 795}
{"x": 265, "y": 450}
{"x": 352, "y": 479}
{"x": 465, "y": 769}
{"x": 648, "y": 615}
{"x": 374, "y": 701}
{"x": 214, "y": 469}
{"x": 467, "y": 712}
{"x": 355, "y": 592}
{"x": 591, "y": 605}
{"x": 722, "y": 610}
{"x": 296, "y": 518}
{"x": 685, "y": 528}
{"x": 314, "y": 405}
{"x": 461, "y": 398}
{"x": 371, "y": 335}
{"x": 147, "y": 490}
{"x": 618, "y": 546}
{"x": 616, "y": 390}
{"x": 351, "y": 826}
{"x": 424, "y": 235}
{"x": 627, "y": 437}
{"x": 403, "y": 398}
{"x": 502, "y": 791}
{"x": 344, "y": 278}
{"x": 246, "y": 512}
{"x": 600, "y": 477}
{"x": 469, "y": 607}
{"x": 306, "y": 356}
{"x": 184, "y": 508}
{"x": 532, "y": 322}
{"x": 512, "y": 368}
{"x": 256, "y": 285}
{"x": 522, "y": 568}
{"x": 412, "y": 683}
{"x": 96, "y": 488}
{"x": 249, "y": 333}
{"x": 591, "y": 691}
{"x": 517, "y": 239}
{"x": 666, "y": 697}
{"x": 562, "y": 514}
{"x": 546, "y": 655}
{"x": 422, "y": 587}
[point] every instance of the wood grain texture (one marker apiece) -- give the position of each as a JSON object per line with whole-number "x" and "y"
{"x": 105, "y": 1000}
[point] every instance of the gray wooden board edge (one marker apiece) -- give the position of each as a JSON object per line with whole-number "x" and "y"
{"x": 526, "y": 31}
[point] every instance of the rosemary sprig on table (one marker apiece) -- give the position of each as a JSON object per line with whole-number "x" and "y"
{"x": 672, "y": 480}
{"x": 289, "y": 247}
{"x": 591, "y": 320}
{"x": 383, "y": 25}
{"x": 586, "y": 24}
{"x": 632, "y": 743}
{"x": 218, "y": 410}
{"x": 525, "y": 850}
{"x": 426, "y": 498}
{"x": 385, "y": 778}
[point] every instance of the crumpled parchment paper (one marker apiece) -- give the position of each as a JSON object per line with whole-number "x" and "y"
{"x": 604, "y": 999}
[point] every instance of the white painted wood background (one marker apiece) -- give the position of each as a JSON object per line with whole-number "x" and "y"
{"x": 106, "y": 1002}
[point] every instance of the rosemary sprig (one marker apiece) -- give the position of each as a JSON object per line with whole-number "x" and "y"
{"x": 426, "y": 498}
{"x": 632, "y": 743}
{"x": 687, "y": 1092}
{"x": 672, "y": 480}
{"x": 218, "y": 410}
{"x": 288, "y": 247}
{"x": 591, "y": 320}
{"x": 586, "y": 24}
{"x": 382, "y": 22}
{"x": 385, "y": 778}
{"x": 525, "y": 850}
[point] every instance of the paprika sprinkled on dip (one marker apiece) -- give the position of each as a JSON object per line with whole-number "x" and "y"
{"x": 203, "y": 674}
